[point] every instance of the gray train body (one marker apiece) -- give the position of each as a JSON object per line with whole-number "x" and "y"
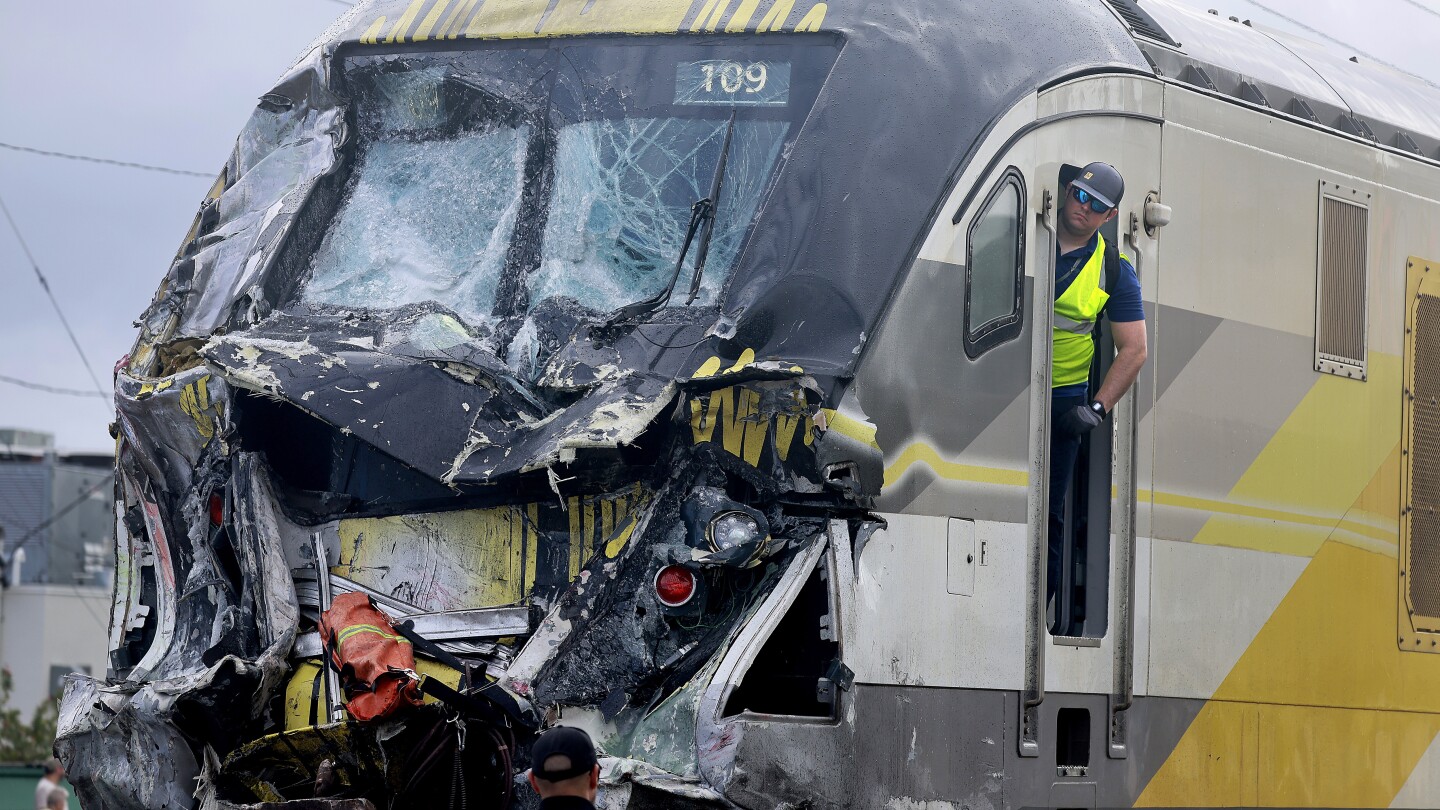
{"x": 681, "y": 369}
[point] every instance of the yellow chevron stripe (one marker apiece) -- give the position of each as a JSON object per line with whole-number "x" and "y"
{"x": 1375, "y": 533}
{"x": 1323, "y": 708}
{"x": 921, "y": 453}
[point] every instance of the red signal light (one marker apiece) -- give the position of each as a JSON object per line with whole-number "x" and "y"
{"x": 217, "y": 509}
{"x": 675, "y": 585}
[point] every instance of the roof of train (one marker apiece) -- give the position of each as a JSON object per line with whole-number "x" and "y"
{"x": 1287, "y": 74}
{"x": 1261, "y": 66}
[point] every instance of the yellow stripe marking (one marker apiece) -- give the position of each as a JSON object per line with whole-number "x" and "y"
{"x": 1322, "y": 708}
{"x": 1377, "y": 535}
{"x": 428, "y": 24}
{"x": 450, "y": 28}
{"x": 742, "y": 15}
{"x": 532, "y": 545}
{"x": 707, "y": 368}
{"x": 720, "y": 9}
{"x": 372, "y": 34}
{"x": 813, "y": 19}
{"x": 397, "y": 34}
{"x": 862, "y": 432}
{"x": 920, "y": 452}
{"x": 777, "y": 16}
{"x": 746, "y": 358}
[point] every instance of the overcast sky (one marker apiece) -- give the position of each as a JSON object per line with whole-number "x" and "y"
{"x": 171, "y": 83}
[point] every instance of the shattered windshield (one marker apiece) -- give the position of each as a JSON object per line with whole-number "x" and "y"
{"x": 492, "y": 180}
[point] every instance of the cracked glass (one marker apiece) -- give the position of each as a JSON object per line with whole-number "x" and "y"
{"x": 491, "y": 181}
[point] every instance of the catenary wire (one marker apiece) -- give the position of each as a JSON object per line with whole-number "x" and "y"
{"x": 45, "y": 284}
{"x": 49, "y": 389}
{"x": 1420, "y": 6}
{"x": 1317, "y": 32}
{"x": 122, "y": 163}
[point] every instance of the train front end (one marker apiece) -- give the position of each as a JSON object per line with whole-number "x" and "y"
{"x": 450, "y": 331}
{"x": 534, "y": 322}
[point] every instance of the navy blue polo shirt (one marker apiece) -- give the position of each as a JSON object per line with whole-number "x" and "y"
{"x": 1124, "y": 306}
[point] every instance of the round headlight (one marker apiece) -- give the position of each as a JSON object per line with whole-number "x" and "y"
{"x": 732, "y": 529}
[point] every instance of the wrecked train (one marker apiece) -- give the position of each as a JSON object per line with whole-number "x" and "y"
{"x": 680, "y": 369}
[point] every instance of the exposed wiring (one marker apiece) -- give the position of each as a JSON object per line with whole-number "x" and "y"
{"x": 122, "y": 163}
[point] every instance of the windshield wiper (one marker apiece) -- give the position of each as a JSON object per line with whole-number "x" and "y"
{"x": 702, "y": 213}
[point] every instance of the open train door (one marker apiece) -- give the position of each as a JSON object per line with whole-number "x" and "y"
{"x": 1080, "y": 633}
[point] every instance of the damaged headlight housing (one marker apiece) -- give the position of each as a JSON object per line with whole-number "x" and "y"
{"x": 734, "y": 534}
{"x": 731, "y": 530}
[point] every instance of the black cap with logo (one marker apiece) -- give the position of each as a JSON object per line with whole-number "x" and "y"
{"x": 569, "y": 742}
{"x": 1102, "y": 181}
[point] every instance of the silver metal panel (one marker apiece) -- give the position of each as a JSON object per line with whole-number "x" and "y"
{"x": 1190, "y": 653}
{"x": 960, "y": 558}
{"x": 1243, "y": 61}
{"x": 1371, "y": 90}
{"x": 1241, "y": 48}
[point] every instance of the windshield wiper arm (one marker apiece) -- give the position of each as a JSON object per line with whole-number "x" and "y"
{"x": 703, "y": 251}
{"x": 702, "y": 211}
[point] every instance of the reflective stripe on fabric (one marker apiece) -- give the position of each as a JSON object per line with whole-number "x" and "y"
{"x": 1075, "y": 314}
{"x": 356, "y": 629}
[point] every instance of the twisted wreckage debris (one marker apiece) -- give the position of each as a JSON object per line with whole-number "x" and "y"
{"x": 623, "y": 521}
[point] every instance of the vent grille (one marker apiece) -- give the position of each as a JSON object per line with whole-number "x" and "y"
{"x": 1424, "y": 535}
{"x": 1140, "y": 22}
{"x": 1340, "y": 308}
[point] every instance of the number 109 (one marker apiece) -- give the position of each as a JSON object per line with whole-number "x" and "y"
{"x": 732, "y": 77}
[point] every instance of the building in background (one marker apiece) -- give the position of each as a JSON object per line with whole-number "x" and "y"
{"x": 57, "y": 530}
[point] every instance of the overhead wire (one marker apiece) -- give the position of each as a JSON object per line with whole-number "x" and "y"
{"x": 107, "y": 161}
{"x": 1317, "y": 32}
{"x": 1423, "y": 7}
{"x": 45, "y": 284}
{"x": 49, "y": 389}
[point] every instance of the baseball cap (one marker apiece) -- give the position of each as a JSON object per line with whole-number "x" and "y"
{"x": 566, "y": 741}
{"x": 1102, "y": 181}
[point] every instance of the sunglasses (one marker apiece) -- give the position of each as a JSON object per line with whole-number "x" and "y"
{"x": 1086, "y": 198}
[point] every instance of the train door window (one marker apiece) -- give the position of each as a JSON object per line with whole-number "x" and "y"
{"x": 1081, "y": 598}
{"x": 995, "y": 267}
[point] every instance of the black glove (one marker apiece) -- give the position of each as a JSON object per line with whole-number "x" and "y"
{"x": 1081, "y": 419}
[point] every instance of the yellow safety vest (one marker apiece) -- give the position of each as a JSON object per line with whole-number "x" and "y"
{"x": 1075, "y": 315}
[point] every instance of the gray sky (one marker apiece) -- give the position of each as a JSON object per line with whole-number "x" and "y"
{"x": 171, "y": 83}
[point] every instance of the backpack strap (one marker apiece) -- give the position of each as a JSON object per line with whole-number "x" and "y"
{"x": 1112, "y": 266}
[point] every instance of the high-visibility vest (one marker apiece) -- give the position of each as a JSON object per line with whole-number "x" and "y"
{"x": 1076, "y": 313}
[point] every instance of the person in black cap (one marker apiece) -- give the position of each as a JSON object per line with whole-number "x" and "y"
{"x": 1092, "y": 279}
{"x": 564, "y": 770}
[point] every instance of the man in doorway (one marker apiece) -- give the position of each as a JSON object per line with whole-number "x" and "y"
{"x": 1086, "y": 289}
{"x": 564, "y": 770}
{"x": 48, "y": 783}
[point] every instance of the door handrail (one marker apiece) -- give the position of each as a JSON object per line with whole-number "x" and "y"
{"x": 1038, "y": 494}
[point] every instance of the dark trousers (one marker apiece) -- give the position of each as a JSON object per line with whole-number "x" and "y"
{"x": 1064, "y": 448}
